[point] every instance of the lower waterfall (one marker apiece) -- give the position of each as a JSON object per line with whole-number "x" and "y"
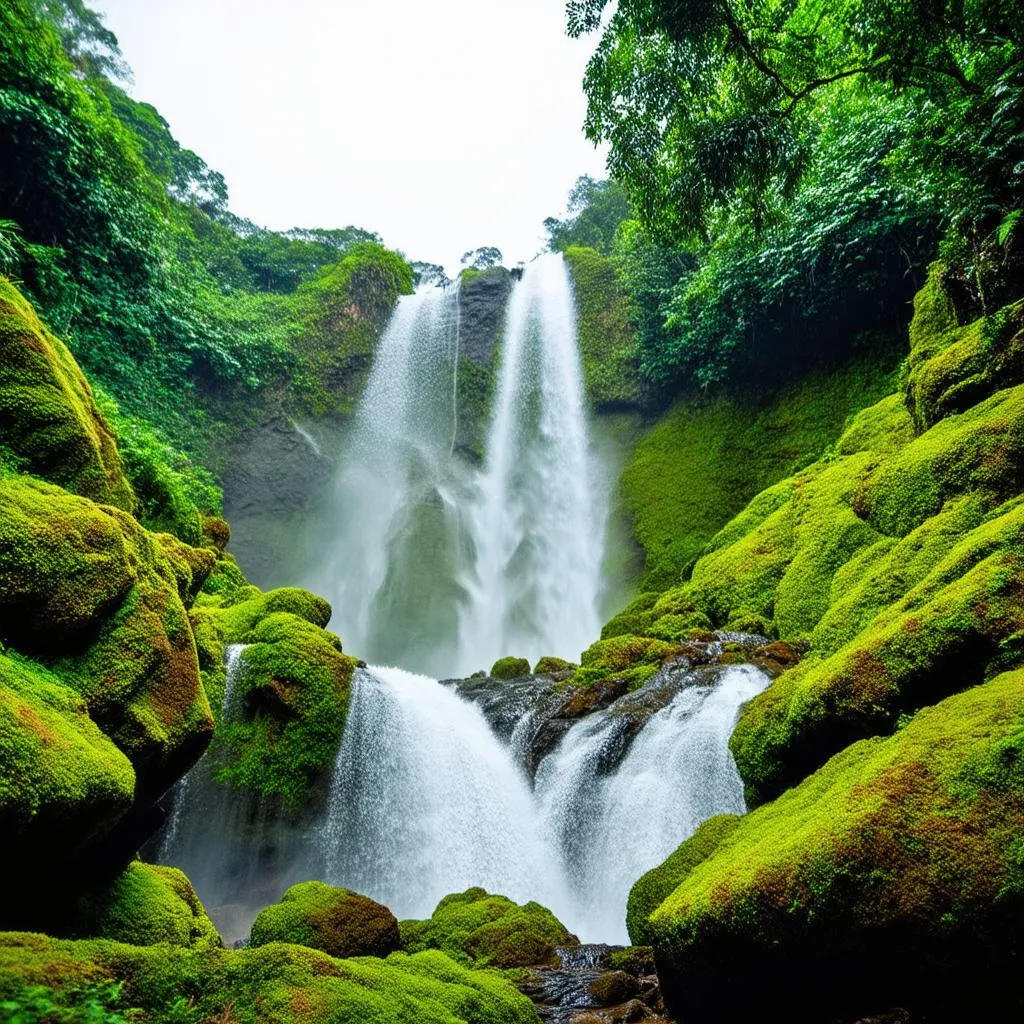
{"x": 426, "y": 800}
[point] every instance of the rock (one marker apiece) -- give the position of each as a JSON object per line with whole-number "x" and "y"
{"x": 550, "y": 666}
{"x": 336, "y": 921}
{"x": 490, "y": 930}
{"x": 510, "y": 668}
{"x": 613, "y": 987}
{"x": 48, "y": 418}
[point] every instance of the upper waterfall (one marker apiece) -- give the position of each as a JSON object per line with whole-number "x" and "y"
{"x": 440, "y": 565}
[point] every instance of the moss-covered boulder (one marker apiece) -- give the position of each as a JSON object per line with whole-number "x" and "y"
{"x": 273, "y": 984}
{"x": 64, "y": 784}
{"x": 632, "y": 659}
{"x": 49, "y": 423}
{"x": 954, "y": 366}
{"x": 892, "y": 875}
{"x": 102, "y": 602}
{"x": 292, "y": 688}
{"x": 550, "y": 665}
{"x": 474, "y": 926}
{"x": 146, "y": 905}
{"x": 335, "y": 921}
{"x": 510, "y": 668}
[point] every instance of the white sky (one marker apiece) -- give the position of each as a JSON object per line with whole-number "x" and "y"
{"x": 443, "y": 126}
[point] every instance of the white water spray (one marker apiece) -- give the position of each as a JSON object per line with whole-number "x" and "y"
{"x": 539, "y": 519}
{"x": 424, "y": 802}
{"x": 427, "y": 801}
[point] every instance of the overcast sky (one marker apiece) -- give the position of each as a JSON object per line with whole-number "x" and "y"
{"x": 443, "y": 126}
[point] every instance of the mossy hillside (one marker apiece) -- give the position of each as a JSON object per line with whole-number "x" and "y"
{"x": 606, "y": 336}
{"x": 705, "y": 459}
{"x": 488, "y": 930}
{"x": 100, "y": 599}
{"x": 272, "y": 984}
{"x": 336, "y": 921}
{"x": 952, "y": 367}
{"x": 895, "y": 868}
{"x": 146, "y": 905}
{"x": 64, "y": 784}
{"x": 961, "y": 622}
{"x": 49, "y": 422}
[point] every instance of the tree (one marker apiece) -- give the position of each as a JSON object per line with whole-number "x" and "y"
{"x": 482, "y": 258}
{"x": 596, "y": 210}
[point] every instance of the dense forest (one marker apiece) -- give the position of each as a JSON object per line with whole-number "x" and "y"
{"x": 798, "y": 316}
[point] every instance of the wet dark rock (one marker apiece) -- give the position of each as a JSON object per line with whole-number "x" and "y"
{"x": 590, "y": 986}
{"x": 481, "y": 314}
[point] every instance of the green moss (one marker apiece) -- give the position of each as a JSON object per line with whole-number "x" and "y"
{"x": 981, "y": 449}
{"x": 659, "y": 883}
{"x": 146, "y": 905}
{"x": 63, "y": 783}
{"x": 272, "y": 984}
{"x": 510, "y": 668}
{"x": 48, "y": 419}
{"x": 476, "y": 927}
{"x": 897, "y": 855}
{"x": 335, "y": 921}
{"x": 634, "y": 619}
{"x": 294, "y": 690}
{"x": 705, "y": 459}
{"x": 952, "y": 367}
{"x": 241, "y": 607}
{"x": 549, "y": 665}
{"x": 633, "y": 659}
{"x": 102, "y": 600}
{"x": 606, "y": 338}
{"x": 940, "y": 635}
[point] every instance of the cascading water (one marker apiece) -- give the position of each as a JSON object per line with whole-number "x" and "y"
{"x": 436, "y": 564}
{"x": 426, "y": 800}
{"x": 612, "y": 826}
{"x": 538, "y": 522}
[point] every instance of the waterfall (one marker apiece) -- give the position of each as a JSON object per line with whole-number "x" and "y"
{"x": 436, "y": 564}
{"x": 426, "y": 800}
{"x": 538, "y": 521}
{"x": 612, "y": 826}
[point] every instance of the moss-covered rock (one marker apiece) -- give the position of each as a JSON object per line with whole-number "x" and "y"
{"x": 144, "y": 906}
{"x": 272, "y": 984}
{"x": 952, "y": 367}
{"x": 474, "y": 926}
{"x": 510, "y": 668}
{"x": 550, "y": 665}
{"x": 86, "y": 589}
{"x": 335, "y": 921}
{"x": 947, "y": 630}
{"x": 292, "y": 689}
{"x": 894, "y": 872}
{"x": 633, "y": 659}
{"x": 49, "y": 423}
{"x": 64, "y": 784}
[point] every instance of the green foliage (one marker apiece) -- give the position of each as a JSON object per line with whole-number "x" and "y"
{"x": 596, "y": 209}
{"x": 336, "y": 921}
{"x": 40, "y": 1004}
{"x": 478, "y": 928}
{"x": 483, "y": 258}
{"x": 273, "y": 984}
